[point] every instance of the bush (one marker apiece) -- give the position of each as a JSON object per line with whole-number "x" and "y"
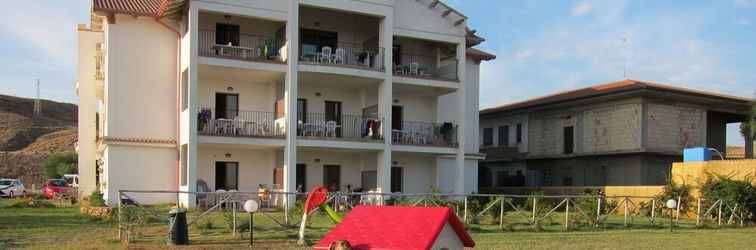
{"x": 96, "y": 200}
{"x": 731, "y": 192}
{"x": 58, "y": 164}
{"x": 674, "y": 191}
{"x": 30, "y": 202}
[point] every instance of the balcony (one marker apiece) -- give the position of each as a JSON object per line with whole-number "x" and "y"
{"x": 344, "y": 55}
{"x": 246, "y": 47}
{"x": 417, "y": 58}
{"x": 343, "y": 127}
{"x": 239, "y": 123}
{"x": 425, "y": 134}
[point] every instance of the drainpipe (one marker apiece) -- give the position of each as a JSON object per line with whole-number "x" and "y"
{"x": 178, "y": 96}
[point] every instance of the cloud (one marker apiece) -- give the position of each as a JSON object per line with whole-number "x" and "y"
{"x": 581, "y": 8}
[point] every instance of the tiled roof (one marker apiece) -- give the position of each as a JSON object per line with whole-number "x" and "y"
{"x": 131, "y": 7}
{"x": 607, "y": 88}
{"x": 384, "y": 227}
{"x": 480, "y": 55}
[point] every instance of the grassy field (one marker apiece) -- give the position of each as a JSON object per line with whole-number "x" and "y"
{"x": 64, "y": 228}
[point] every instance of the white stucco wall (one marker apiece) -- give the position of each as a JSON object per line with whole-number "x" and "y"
{"x": 407, "y": 14}
{"x": 140, "y": 168}
{"x": 416, "y": 107}
{"x": 255, "y": 165}
{"x": 419, "y": 171}
{"x": 253, "y": 95}
{"x": 141, "y": 79}
{"x": 87, "y": 110}
{"x": 351, "y": 165}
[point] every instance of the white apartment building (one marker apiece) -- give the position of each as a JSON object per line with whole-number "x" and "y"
{"x": 290, "y": 94}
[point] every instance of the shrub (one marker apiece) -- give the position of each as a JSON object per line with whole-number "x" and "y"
{"x": 58, "y": 164}
{"x": 731, "y": 192}
{"x": 96, "y": 200}
{"x": 30, "y": 202}
{"x": 674, "y": 191}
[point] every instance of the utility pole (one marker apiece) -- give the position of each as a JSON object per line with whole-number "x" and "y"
{"x": 625, "y": 56}
{"x": 37, "y": 102}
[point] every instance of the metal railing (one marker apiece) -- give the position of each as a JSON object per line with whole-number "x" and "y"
{"x": 344, "y": 126}
{"x": 428, "y": 67}
{"x": 344, "y": 54}
{"x": 425, "y": 134}
{"x": 249, "y": 47}
{"x": 239, "y": 123}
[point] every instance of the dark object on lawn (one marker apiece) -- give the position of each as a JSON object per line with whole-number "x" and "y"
{"x": 178, "y": 233}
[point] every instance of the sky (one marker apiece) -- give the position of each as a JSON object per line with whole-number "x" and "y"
{"x": 541, "y": 46}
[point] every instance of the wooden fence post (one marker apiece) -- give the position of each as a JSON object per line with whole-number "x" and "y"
{"x": 698, "y": 212}
{"x": 677, "y": 212}
{"x": 534, "y": 208}
{"x": 653, "y": 211}
{"x": 501, "y": 214}
{"x": 465, "y": 212}
{"x": 598, "y": 211}
{"x": 719, "y": 215}
{"x": 626, "y": 211}
{"x": 567, "y": 213}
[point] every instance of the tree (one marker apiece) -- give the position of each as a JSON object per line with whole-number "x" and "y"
{"x": 58, "y": 164}
{"x": 749, "y": 125}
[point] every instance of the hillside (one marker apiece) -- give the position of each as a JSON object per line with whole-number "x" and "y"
{"x": 26, "y": 140}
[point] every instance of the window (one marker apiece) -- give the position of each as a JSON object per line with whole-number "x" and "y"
{"x": 569, "y": 140}
{"x": 332, "y": 177}
{"x": 487, "y": 136}
{"x": 369, "y": 179}
{"x": 396, "y": 179}
{"x": 397, "y": 117}
{"x": 301, "y": 178}
{"x": 227, "y": 175}
{"x": 226, "y": 106}
{"x": 504, "y": 136}
{"x": 333, "y": 113}
{"x": 314, "y": 40}
{"x": 485, "y": 178}
{"x": 519, "y": 132}
{"x": 227, "y": 33}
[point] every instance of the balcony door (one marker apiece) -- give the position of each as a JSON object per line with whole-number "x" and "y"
{"x": 313, "y": 41}
{"x": 227, "y": 33}
{"x": 332, "y": 177}
{"x": 333, "y": 113}
{"x": 226, "y": 175}
{"x": 226, "y": 106}
{"x": 397, "y": 117}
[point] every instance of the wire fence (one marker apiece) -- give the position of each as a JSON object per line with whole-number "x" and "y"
{"x": 218, "y": 217}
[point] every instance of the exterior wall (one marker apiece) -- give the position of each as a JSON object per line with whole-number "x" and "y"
{"x": 674, "y": 127}
{"x": 419, "y": 172}
{"x": 407, "y": 14}
{"x": 617, "y": 170}
{"x": 416, "y": 107}
{"x": 255, "y": 165}
{"x": 512, "y": 122}
{"x": 86, "y": 90}
{"x": 351, "y": 165}
{"x": 695, "y": 173}
{"x": 253, "y": 96}
{"x": 350, "y": 28}
{"x": 141, "y": 87}
{"x": 350, "y": 98}
{"x": 247, "y": 25}
{"x": 139, "y": 168}
{"x": 600, "y": 128}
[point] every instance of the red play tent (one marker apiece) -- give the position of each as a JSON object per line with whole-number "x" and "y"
{"x": 383, "y": 227}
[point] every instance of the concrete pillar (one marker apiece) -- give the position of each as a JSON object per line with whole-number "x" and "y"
{"x": 290, "y": 97}
{"x": 459, "y": 182}
{"x": 385, "y": 100}
{"x": 188, "y": 126}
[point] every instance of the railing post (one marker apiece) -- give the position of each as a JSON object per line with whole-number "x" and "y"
{"x": 120, "y": 225}
{"x": 698, "y": 212}
{"x": 286, "y": 207}
{"x": 535, "y": 202}
{"x": 464, "y": 219}
{"x": 719, "y": 215}
{"x": 598, "y": 211}
{"x": 567, "y": 213}
{"x": 501, "y": 213}
{"x": 233, "y": 212}
{"x": 653, "y": 211}
{"x": 626, "y": 211}
{"x": 677, "y": 212}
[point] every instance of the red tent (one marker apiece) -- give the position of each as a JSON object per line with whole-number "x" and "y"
{"x": 383, "y": 227}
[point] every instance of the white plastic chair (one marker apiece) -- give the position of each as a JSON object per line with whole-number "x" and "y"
{"x": 415, "y": 68}
{"x": 320, "y": 128}
{"x": 339, "y": 56}
{"x": 325, "y": 54}
{"x": 330, "y": 129}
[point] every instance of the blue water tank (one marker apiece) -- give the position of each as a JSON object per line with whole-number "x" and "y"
{"x": 696, "y": 154}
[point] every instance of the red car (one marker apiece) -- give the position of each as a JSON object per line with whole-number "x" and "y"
{"x": 55, "y": 186}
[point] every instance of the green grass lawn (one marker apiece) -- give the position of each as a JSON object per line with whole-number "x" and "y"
{"x": 64, "y": 228}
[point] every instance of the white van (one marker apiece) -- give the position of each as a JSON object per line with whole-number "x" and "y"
{"x": 72, "y": 179}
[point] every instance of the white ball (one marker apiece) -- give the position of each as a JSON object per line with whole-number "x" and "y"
{"x": 250, "y": 206}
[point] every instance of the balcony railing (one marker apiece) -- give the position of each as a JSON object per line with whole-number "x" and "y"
{"x": 239, "y": 123}
{"x": 428, "y": 67}
{"x": 341, "y": 127}
{"x": 425, "y": 134}
{"x": 344, "y": 54}
{"x": 249, "y": 47}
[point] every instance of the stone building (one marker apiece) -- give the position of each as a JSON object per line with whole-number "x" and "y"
{"x": 624, "y": 133}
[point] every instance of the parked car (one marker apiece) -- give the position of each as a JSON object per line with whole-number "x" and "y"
{"x": 55, "y": 186}
{"x": 72, "y": 179}
{"x": 11, "y": 188}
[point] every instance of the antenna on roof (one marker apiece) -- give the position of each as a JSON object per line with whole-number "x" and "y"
{"x": 624, "y": 41}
